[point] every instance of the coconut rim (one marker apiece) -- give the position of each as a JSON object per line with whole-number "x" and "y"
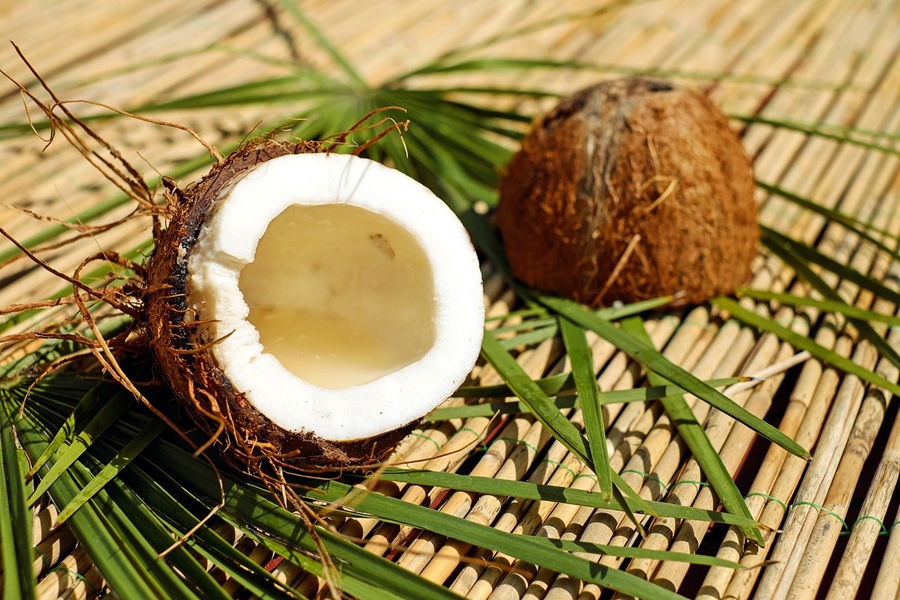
{"x": 358, "y": 411}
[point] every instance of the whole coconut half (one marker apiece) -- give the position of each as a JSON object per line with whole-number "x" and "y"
{"x": 309, "y": 308}
{"x": 629, "y": 190}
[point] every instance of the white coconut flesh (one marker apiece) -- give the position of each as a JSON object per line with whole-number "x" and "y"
{"x": 344, "y": 297}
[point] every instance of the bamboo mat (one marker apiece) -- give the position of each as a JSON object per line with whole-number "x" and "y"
{"x": 827, "y": 62}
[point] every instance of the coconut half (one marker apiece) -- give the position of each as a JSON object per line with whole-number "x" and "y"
{"x": 314, "y": 306}
{"x": 629, "y": 190}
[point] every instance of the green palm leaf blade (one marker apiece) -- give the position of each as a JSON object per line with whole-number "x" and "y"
{"x": 793, "y": 258}
{"x": 804, "y": 343}
{"x": 147, "y": 536}
{"x": 532, "y": 396}
{"x": 16, "y": 551}
{"x": 777, "y": 242}
{"x": 551, "y": 385}
{"x": 644, "y": 553}
{"x": 829, "y": 306}
{"x": 520, "y": 547}
{"x": 540, "y": 405}
{"x": 533, "y": 491}
{"x": 90, "y": 215}
{"x": 323, "y": 42}
{"x": 133, "y": 526}
{"x": 691, "y": 431}
{"x": 108, "y": 545}
{"x": 87, "y": 406}
{"x": 245, "y": 506}
{"x": 581, "y": 358}
{"x": 112, "y": 469}
{"x": 823, "y": 132}
{"x": 355, "y": 587}
{"x": 554, "y": 385}
{"x": 656, "y": 362}
{"x": 856, "y": 225}
{"x": 76, "y": 440}
{"x": 157, "y": 492}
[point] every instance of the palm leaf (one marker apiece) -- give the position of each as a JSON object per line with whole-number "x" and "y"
{"x": 804, "y": 343}
{"x": 691, "y": 431}
{"x": 581, "y": 357}
{"x": 112, "y": 470}
{"x": 16, "y": 551}
{"x": 657, "y": 363}
{"x": 532, "y": 491}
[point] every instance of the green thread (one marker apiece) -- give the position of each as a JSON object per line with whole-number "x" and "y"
{"x": 770, "y": 498}
{"x": 475, "y": 433}
{"x": 688, "y": 482}
{"x": 635, "y": 471}
{"x": 823, "y": 509}
{"x": 427, "y": 437}
{"x": 591, "y": 475}
{"x": 531, "y": 447}
{"x": 560, "y": 465}
{"x": 76, "y": 575}
{"x": 647, "y": 476}
{"x": 884, "y": 529}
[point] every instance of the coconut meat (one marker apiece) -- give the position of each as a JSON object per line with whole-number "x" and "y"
{"x": 344, "y": 297}
{"x": 340, "y": 294}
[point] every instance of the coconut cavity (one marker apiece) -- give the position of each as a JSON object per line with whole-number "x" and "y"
{"x": 340, "y": 295}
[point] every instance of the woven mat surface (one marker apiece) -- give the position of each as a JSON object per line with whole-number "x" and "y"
{"x": 829, "y": 65}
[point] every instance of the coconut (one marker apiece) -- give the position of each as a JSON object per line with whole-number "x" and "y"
{"x": 309, "y": 308}
{"x": 629, "y": 190}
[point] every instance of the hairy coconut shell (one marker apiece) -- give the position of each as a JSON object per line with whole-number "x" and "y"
{"x": 248, "y": 439}
{"x": 630, "y": 190}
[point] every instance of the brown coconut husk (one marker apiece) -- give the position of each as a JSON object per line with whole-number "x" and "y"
{"x": 248, "y": 440}
{"x": 629, "y": 190}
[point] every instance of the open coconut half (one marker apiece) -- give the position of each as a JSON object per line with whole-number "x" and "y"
{"x": 313, "y": 307}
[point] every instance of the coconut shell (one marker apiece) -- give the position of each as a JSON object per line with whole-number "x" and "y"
{"x": 629, "y": 190}
{"x": 247, "y": 439}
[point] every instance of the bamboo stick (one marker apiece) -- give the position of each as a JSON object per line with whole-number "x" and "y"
{"x": 840, "y": 418}
{"x": 757, "y": 555}
{"x": 812, "y": 567}
{"x": 514, "y": 449}
{"x": 731, "y": 591}
{"x": 888, "y": 580}
{"x": 715, "y": 363}
{"x": 510, "y": 520}
{"x": 762, "y": 56}
{"x": 52, "y": 548}
{"x": 44, "y": 523}
{"x": 793, "y": 467}
{"x": 88, "y": 585}
{"x": 865, "y": 531}
{"x": 717, "y": 578}
{"x": 65, "y": 576}
{"x": 733, "y": 452}
{"x": 812, "y": 491}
